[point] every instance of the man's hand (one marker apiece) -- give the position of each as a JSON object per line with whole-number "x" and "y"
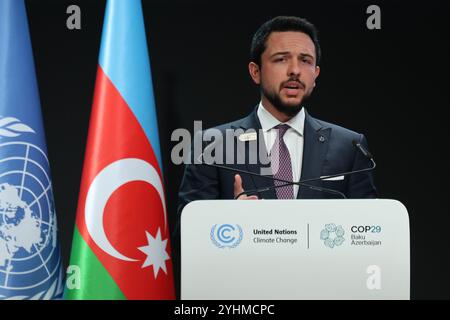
{"x": 238, "y": 189}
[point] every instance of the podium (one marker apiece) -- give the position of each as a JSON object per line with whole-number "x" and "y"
{"x": 295, "y": 249}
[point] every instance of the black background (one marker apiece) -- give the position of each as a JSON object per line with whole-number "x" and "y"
{"x": 390, "y": 84}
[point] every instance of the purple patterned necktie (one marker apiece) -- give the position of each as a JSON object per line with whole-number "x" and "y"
{"x": 281, "y": 160}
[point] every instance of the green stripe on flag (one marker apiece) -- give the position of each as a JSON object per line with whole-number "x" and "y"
{"x": 87, "y": 279}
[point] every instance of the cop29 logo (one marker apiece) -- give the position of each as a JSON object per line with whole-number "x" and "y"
{"x": 226, "y": 235}
{"x": 332, "y": 235}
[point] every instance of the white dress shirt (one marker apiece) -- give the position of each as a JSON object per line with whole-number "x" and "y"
{"x": 293, "y": 138}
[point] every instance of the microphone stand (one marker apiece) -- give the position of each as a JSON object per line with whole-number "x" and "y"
{"x": 300, "y": 183}
{"x": 303, "y": 182}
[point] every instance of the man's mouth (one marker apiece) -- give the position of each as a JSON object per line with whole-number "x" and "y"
{"x": 292, "y": 87}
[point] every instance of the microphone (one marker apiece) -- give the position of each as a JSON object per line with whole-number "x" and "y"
{"x": 287, "y": 183}
{"x": 356, "y": 144}
{"x": 362, "y": 149}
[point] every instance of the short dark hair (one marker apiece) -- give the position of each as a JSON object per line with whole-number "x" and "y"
{"x": 282, "y": 24}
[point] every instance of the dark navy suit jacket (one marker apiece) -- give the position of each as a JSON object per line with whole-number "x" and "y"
{"x": 328, "y": 149}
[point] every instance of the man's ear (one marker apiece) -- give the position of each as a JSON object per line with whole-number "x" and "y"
{"x": 317, "y": 71}
{"x": 254, "y": 71}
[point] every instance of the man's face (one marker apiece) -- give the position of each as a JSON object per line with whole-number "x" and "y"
{"x": 288, "y": 70}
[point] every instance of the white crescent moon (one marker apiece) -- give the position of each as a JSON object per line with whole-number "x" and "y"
{"x": 105, "y": 183}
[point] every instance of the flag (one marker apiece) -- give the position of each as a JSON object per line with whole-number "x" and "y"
{"x": 121, "y": 246}
{"x": 30, "y": 260}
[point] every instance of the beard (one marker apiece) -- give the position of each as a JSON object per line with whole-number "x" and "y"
{"x": 287, "y": 109}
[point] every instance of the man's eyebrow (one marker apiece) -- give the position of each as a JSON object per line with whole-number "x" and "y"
{"x": 306, "y": 55}
{"x": 280, "y": 53}
{"x": 283, "y": 53}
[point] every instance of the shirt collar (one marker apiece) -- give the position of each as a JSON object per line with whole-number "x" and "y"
{"x": 268, "y": 121}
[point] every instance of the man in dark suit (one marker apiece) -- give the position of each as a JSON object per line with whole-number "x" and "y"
{"x": 285, "y": 57}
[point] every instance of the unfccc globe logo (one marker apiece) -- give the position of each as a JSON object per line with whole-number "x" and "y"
{"x": 226, "y": 235}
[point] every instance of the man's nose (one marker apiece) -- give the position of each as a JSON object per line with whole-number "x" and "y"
{"x": 294, "y": 69}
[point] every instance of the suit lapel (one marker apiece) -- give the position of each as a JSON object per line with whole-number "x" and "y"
{"x": 316, "y": 142}
{"x": 252, "y": 122}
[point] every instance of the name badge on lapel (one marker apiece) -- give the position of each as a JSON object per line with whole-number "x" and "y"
{"x": 251, "y": 136}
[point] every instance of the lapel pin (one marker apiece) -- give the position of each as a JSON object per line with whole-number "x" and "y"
{"x": 251, "y": 136}
{"x": 322, "y": 139}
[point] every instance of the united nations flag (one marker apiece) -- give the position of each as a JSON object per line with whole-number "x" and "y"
{"x": 30, "y": 261}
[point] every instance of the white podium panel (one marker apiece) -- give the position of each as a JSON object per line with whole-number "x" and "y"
{"x": 295, "y": 249}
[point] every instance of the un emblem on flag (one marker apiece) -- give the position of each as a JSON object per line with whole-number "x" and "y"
{"x": 29, "y": 255}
